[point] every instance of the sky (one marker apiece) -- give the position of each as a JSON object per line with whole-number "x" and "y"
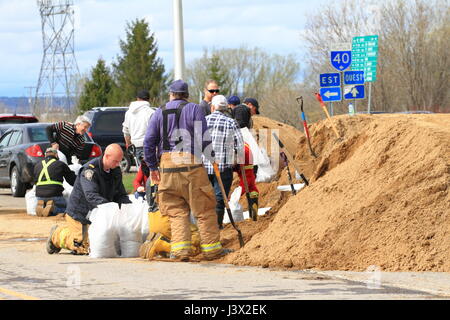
{"x": 272, "y": 25}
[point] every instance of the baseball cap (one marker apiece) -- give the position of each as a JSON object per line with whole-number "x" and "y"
{"x": 179, "y": 86}
{"x": 51, "y": 150}
{"x": 253, "y": 102}
{"x": 220, "y": 101}
{"x": 234, "y": 100}
{"x": 143, "y": 94}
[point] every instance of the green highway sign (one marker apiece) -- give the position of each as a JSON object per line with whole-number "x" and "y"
{"x": 365, "y": 56}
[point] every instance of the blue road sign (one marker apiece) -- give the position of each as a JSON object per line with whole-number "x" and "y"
{"x": 354, "y": 77}
{"x": 354, "y": 92}
{"x": 331, "y": 94}
{"x": 341, "y": 60}
{"x": 330, "y": 79}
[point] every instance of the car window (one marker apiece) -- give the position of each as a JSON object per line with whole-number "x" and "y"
{"x": 109, "y": 122}
{"x": 37, "y": 134}
{"x": 16, "y": 138}
{"x": 18, "y": 120}
{"x": 5, "y": 140}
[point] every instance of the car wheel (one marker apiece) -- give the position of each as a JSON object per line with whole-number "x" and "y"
{"x": 125, "y": 164}
{"x": 18, "y": 188}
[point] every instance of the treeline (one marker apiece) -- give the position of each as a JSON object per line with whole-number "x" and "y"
{"x": 412, "y": 72}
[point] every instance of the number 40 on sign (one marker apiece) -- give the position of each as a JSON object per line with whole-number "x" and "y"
{"x": 341, "y": 60}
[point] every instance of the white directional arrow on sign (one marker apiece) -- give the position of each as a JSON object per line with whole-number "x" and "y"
{"x": 354, "y": 92}
{"x": 329, "y": 94}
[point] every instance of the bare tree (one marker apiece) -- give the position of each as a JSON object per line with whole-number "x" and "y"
{"x": 414, "y": 41}
{"x": 245, "y": 72}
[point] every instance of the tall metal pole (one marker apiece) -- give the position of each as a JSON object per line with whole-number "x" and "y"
{"x": 178, "y": 39}
{"x": 370, "y": 97}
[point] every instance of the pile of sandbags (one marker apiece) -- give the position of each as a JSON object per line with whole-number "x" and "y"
{"x": 118, "y": 232}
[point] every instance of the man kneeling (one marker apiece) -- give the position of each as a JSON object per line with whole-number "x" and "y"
{"x": 99, "y": 182}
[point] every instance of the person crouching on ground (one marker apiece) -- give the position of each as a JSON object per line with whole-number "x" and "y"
{"x": 49, "y": 175}
{"x": 99, "y": 182}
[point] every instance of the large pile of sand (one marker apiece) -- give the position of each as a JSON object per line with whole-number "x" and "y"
{"x": 379, "y": 196}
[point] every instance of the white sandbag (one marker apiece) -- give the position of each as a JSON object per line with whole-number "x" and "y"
{"x": 259, "y": 158}
{"x": 287, "y": 187}
{"x": 31, "y": 201}
{"x": 103, "y": 233}
{"x": 265, "y": 171}
{"x": 235, "y": 206}
{"x": 75, "y": 167}
{"x": 130, "y": 227}
{"x": 62, "y": 157}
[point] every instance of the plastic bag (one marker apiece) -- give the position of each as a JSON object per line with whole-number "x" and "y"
{"x": 103, "y": 231}
{"x": 130, "y": 227}
{"x": 62, "y": 157}
{"x": 235, "y": 206}
{"x": 265, "y": 171}
{"x": 31, "y": 201}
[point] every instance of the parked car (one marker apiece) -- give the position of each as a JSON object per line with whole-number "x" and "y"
{"x": 21, "y": 147}
{"x": 8, "y": 120}
{"x": 106, "y": 128}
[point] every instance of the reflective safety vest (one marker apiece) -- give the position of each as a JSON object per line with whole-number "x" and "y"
{"x": 44, "y": 172}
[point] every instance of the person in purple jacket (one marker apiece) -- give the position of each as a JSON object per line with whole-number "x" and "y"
{"x": 176, "y": 138}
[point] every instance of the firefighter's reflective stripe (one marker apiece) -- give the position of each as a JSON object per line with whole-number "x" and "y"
{"x": 254, "y": 194}
{"x": 211, "y": 247}
{"x": 180, "y": 246}
{"x": 62, "y": 238}
{"x": 249, "y": 167}
{"x": 44, "y": 172}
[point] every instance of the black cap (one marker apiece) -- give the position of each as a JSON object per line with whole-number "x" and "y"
{"x": 143, "y": 94}
{"x": 253, "y": 102}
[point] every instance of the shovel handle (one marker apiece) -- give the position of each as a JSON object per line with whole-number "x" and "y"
{"x": 227, "y": 206}
{"x": 324, "y": 107}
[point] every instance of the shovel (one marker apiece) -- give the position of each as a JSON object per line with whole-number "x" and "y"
{"x": 225, "y": 201}
{"x": 290, "y": 158}
{"x": 283, "y": 155}
{"x": 324, "y": 107}
{"x": 305, "y": 127}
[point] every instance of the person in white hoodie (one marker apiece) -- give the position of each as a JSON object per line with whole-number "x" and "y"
{"x": 136, "y": 122}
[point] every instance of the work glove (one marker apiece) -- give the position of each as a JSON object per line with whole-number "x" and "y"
{"x": 83, "y": 220}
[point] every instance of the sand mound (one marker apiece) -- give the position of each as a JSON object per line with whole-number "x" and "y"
{"x": 380, "y": 196}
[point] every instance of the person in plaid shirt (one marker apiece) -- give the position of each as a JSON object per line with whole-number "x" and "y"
{"x": 228, "y": 146}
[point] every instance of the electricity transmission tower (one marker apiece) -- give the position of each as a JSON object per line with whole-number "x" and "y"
{"x": 59, "y": 70}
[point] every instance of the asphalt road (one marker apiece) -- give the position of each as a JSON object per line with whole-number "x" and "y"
{"x": 28, "y": 272}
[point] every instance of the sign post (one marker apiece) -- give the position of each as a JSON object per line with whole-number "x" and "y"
{"x": 364, "y": 57}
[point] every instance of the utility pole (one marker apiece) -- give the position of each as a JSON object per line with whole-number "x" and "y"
{"x": 179, "y": 65}
{"x": 30, "y": 98}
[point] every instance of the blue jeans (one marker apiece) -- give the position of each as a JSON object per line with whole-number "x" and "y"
{"x": 227, "y": 180}
{"x": 60, "y": 204}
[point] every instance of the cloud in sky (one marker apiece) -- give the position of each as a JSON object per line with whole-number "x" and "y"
{"x": 273, "y": 25}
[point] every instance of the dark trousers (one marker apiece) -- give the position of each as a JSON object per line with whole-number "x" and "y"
{"x": 227, "y": 180}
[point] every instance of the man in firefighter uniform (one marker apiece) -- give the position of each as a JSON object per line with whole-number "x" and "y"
{"x": 251, "y": 178}
{"x": 99, "y": 181}
{"x": 177, "y": 136}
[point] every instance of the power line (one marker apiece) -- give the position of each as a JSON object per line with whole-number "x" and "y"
{"x": 59, "y": 70}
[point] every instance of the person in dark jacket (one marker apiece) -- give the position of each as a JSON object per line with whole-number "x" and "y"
{"x": 211, "y": 89}
{"x": 99, "y": 181}
{"x": 49, "y": 175}
{"x": 240, "y": 112}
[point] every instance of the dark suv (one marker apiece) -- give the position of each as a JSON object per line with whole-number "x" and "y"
{"x": 106, "y": 128}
